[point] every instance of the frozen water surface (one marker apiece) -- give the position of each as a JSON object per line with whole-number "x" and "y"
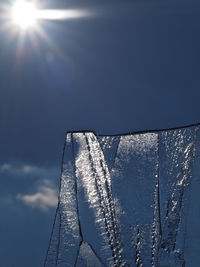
{"x": 129, "y": 200}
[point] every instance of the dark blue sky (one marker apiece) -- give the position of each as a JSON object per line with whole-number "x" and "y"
{"x": 130, "y": 65}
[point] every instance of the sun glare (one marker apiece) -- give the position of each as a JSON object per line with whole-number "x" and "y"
{"x": 28, "y": 20}
{"x": 24, "y": 14}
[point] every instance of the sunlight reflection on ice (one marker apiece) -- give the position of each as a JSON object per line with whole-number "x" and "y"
{"x": 129, "y": 198}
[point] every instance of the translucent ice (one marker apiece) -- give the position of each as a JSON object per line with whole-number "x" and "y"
{"x": 129, "y": 200}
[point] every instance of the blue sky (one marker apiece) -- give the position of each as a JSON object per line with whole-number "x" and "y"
{"x": 130, "y": 65}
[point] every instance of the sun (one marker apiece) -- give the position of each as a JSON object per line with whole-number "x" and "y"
{"x": 24, "y": 14}
{"x": 27, "y": 21}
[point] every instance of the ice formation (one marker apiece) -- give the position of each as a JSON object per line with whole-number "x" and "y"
{"x": 129, "y": 200}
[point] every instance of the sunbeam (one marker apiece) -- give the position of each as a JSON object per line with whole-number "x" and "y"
{"x": 26, "y": 14}
{"x": 23, "y": 19}
{"x": 55, "y": 14}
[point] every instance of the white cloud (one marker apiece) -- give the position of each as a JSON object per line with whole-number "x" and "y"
{"x": 44, "y": 198}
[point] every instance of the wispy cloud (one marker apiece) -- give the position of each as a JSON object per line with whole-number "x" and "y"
{"x": 44, "y": 198}
{"x": 26, "y": 169}
{"x": 5, "y": 167}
